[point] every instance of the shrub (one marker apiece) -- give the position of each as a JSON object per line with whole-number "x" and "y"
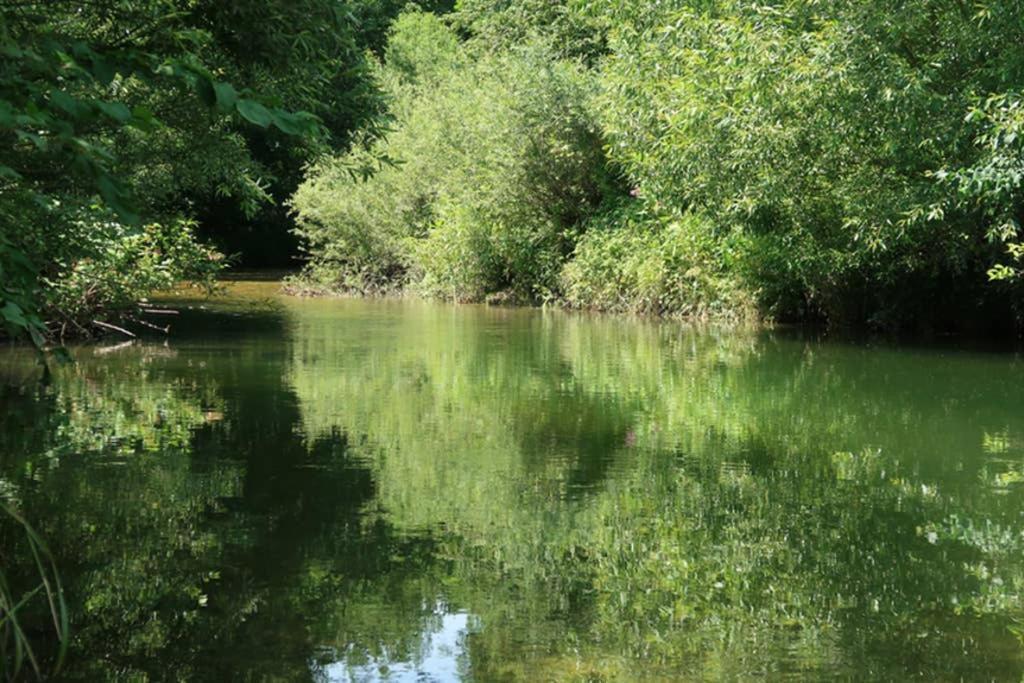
{"x": 637, "y": 261}
{"x": 494, "y": 163}
{"x": 817, "y": 130}
{"x": 95, "y": 265}
{"x": 121, "y": 265}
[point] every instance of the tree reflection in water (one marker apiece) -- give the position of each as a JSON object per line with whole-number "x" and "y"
{"x": 348, "y": 490}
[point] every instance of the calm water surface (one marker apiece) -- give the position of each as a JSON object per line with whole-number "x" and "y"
{"x": 347, "y": 490}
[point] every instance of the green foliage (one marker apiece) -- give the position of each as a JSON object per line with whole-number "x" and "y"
{"x": 495, "y": 163}
{"x": 832, "y": 161}
{"x": 17, "y": 305}
{"x": 839, "y": 161}
{"x": 499, "y": 25}
{"x": 632, "y": 261}
{"x": 116, "y": 264}
{"x": 993, "y": 184}
{"x": 17, "y": 649}
{"x": 94, "y": 265}
{"x": 69, "y": 85}
{"x": 155, "y": 111}
{"x": 420, "y": 52}
{"x": 818, "y": 130}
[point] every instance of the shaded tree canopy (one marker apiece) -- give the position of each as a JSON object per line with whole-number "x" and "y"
{"x": 119, "y": 114}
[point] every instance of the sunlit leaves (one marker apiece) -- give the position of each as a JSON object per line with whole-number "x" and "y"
{"x": 833, "y": 134}
{"x": 496, "y": 163}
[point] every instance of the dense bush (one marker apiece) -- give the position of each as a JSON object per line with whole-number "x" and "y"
{"x": 828, "y": 135}
{"x": 848, "y": 162}
{"x": 494, "y": 164}
{"x": 631, "y": 260}
{"x": 499, "y": 24}
{"x": 95, "y": 266}
{"x": 120, "y": 265}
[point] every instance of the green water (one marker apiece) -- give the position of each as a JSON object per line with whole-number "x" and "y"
{"x": 355, "y": 490}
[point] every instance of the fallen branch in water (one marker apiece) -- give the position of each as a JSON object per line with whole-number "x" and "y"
{"x": 165, "y": 330}
{"x": 114, "y": 327}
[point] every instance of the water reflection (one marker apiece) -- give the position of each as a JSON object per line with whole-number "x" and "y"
{"x": 327, "y": 490}
{"x": 440, "y": 656}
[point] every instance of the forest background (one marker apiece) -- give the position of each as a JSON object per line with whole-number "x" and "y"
{"x": 845, "y": 162}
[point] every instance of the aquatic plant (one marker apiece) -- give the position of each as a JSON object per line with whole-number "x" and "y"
{"x": 17, "y": 644}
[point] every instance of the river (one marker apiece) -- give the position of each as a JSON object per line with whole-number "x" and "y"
{"x": 355, "y": 490}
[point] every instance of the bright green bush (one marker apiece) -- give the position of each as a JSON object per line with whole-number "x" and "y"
{"x": 992, "y": 183}
{"x": 635, "y": 261}
{"x": 87, "y": 264}
{"x": 96, "y": 266}
{"x": 355, "y": 214}
{"x": 119, "y": 266}
{"x": 501, "y": 24}
{"x": 818, "y": 131}
{"x": 528, "y": 169}
{"x": 849, "y": 162}
{"x": 495, "y": 163}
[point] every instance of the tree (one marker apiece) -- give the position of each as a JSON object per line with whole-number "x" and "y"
{"x": 115, "y": 111}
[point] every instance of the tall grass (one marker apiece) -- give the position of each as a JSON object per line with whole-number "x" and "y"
{"x": 17, "y": 654}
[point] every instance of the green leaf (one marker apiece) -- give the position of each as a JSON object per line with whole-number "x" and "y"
{"x": 103, "y": 71}
{"x": 36, "y": 335}
{"x": 115, "y": 197}
{"x": 290, "y": 123}
{"x": 6, "y": 114}
{"x": 143, "y": 119}
{"x": 254, "y": 112}
{"x": 38, "y": 140}
{"x": 11, "y": 50}
{"x": 226, "y": 95}
{"x": 66, "y": 102}
{"x": 115, "y": 110}
{"x": 18, "y": 258}
{"x": 12, "y": 313}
